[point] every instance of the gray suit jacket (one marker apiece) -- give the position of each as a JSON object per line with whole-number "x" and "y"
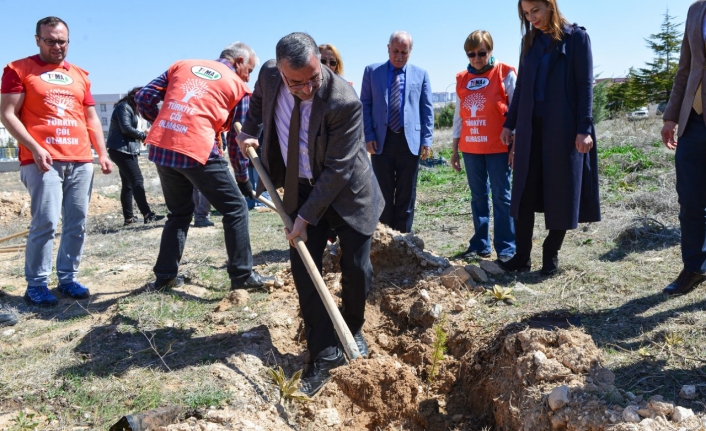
{"x": 691, "y": 69}
{"x": 340, "y": 165}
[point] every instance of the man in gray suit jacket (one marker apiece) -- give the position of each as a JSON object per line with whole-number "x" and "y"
{"x": 686, "y": 108}
{"x": 399, "y": 124}
{"x": 313, "y": 119}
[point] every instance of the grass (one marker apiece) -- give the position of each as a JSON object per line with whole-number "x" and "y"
{"x": 129, "y": 350}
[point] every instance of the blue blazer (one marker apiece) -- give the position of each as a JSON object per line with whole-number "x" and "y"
{"x": 418, "y": 109}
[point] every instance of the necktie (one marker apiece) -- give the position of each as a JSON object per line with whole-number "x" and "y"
{"x": 291, "y": 179}
{"x": 395, "y": 101}
{"x": 698, "y": 104}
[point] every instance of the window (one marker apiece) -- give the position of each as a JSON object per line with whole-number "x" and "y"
{"x": 103, "y": 108}
{"x": 104, "y": 121}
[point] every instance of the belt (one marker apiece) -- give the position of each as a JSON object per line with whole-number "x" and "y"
{"x": 309, "y": 181}
{"x": 397, "y": 132}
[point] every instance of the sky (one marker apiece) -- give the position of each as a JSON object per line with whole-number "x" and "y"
{"x": 128, "y": 43}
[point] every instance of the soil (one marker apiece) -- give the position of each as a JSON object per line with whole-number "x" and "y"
{"x": 500, "y": 379}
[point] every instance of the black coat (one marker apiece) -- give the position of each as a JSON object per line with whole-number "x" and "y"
{"x": 123, "y": 134}
{"x": 570, "y": 178}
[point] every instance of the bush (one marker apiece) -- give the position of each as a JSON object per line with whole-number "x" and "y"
{"x": 445, "y": 116}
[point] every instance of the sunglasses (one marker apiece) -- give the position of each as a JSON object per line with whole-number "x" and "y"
{"x": 331, "y": 63}
{"x": 480, "y": 54}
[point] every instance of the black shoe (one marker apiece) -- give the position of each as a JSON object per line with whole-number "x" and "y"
{"x": 361, "y": 343}
{"x": 167, "y": 283}
{"x": 517, "y": 263}
{"x": 473, "y": 254}
{"x": 318, "y": 373}
{"x": 550, "y": 262}
{"x": 255, "y": 281}
{"x": 203, "y": 223}
{"x": 131, "y": 220}
{"x": 152, "y": 217}
{"x": 685, "y": 283}
{"x": 6, "y": 317}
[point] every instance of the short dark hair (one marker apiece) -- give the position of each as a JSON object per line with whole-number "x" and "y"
{"x": 297, "y": 49}
{"x": 50, "y": 21}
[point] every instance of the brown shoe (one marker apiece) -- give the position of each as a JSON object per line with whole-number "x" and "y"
{"x": 685, "y": 283}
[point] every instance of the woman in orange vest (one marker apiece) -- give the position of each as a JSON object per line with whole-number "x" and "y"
{"x": 484, "y": 93}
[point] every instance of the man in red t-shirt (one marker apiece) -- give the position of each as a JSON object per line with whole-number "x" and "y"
{"x": 46, "y": 104}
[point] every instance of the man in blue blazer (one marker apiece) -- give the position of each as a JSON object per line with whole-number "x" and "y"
{"x": 399, "y": 122}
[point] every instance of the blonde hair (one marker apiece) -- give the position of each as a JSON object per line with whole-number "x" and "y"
{"x": 556, "y": 24}
{"x": 339, "y": 66}
{"x": 476, "y": 39}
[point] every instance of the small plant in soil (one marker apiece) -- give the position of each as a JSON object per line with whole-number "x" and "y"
{"x": 24, "y": 421}
{"x": 287, "y": 387}
{"x": 502, "y": 294}
{"x": 673, "y": 339}
{"x": 438, "y": 350}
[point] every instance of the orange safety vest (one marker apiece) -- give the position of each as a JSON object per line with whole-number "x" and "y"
{"x": 53, "y": 111}
{"x": 199, "y": 98}
{"x": 483, "y": 107}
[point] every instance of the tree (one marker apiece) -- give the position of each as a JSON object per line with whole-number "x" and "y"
{"x": 445, "y": 117}
{"x": 656, "y": 79}
{"x": 600, "y": 101}
{"x": 193, "y": 88}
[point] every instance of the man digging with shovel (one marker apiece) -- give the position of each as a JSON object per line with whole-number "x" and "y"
{"x": 313, "y": 145}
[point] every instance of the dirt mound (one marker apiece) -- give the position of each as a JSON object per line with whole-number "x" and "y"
{"x": 383, "y": 386}
{"x": 394, "y": 255}
{"x": 15, "y": 207}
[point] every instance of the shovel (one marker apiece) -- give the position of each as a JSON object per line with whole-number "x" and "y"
{"x": 344, "y": 334}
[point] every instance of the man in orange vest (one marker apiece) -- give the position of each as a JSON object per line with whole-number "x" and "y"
{"x": 200, "y": 100}
{"x": 46, "y": 104}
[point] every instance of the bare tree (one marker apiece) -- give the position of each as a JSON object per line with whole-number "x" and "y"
{"x": 474, "y": 102}
{"x": 194, "y": 88}
{"x": 60, "y": 99}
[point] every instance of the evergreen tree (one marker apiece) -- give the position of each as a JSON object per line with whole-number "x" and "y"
{"x": 656, "y": 79}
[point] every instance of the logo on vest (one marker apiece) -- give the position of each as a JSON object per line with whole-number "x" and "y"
{"x": 193, "y": 88}
{"x": 477, "y": 83}
{"x": 56, "y": 78}
{"x": 206, "y": 73}
{"x": 61, "y": 100}
{"x": 474, "y": 103}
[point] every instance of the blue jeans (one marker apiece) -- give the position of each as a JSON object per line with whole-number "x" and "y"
{"x": 65, "y": 191}
{"x": 691, "y": 188}
{"x": 202, "y": 210}
{"x": 479, "y": 169}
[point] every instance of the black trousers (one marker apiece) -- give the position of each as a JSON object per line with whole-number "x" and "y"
{"x": 132, "y": 182}
{"x": 396, "y": 170}
{"x": 218, "y": 186}
{"x": 356, "y": 279}
{"x": 532, "y": 200}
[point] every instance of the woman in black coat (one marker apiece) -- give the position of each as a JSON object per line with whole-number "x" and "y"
{"x": 554, "y": 156}
{"x": 124, "y": 148}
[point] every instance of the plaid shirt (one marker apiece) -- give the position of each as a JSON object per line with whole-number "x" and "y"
{"x": 147, "y": 101}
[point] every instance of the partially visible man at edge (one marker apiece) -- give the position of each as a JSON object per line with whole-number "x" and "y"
{"x": 46, "y": 104}
{"x": 686, "y": 108}
{"x": 201, "y": 99}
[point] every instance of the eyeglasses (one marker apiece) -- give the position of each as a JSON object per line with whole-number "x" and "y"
{"x": 313, "y": 83}
{"x": 331, "y": 63}
{"x": 479, "y": 54}
{"x": 52, "y": 42}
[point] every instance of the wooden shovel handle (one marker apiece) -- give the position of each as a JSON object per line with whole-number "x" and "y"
{"x": 344, "y": 334}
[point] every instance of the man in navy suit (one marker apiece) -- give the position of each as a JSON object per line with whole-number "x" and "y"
{"x": 399, "y": 124}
